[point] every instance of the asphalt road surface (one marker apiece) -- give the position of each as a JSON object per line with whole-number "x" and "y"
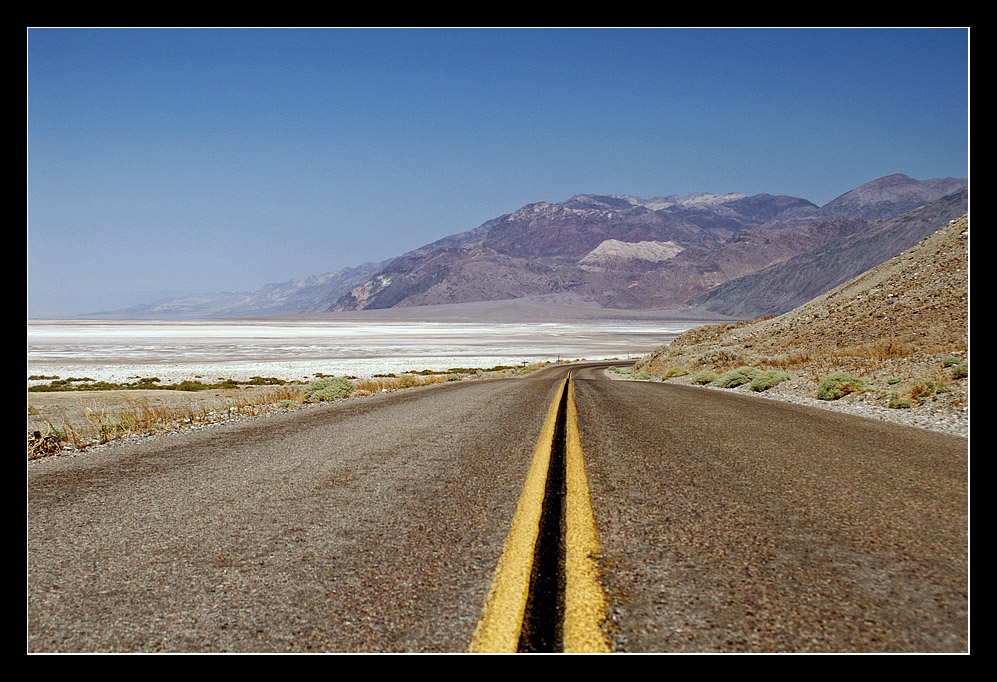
{"x": 725, "y": 523}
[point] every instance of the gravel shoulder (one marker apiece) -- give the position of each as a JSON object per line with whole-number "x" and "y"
{"x": 944, "y": 412}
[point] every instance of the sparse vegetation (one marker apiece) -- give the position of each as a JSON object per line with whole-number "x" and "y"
{"x": 704, "y": 377}
{"x": 139, "y": 416}
{"x": 674, "y": 372}
{"x": 148, "y": 383}
{"x": 48, "y": 443}
{"x": 921, "y": 389}
{"x": 839, "y": 384}
{"x": 736, "y": 377}
{"x": 960, "y": 370}
{"x": 898, "y": 402}
{"x": 766, "y": 379}
{"x": 328, "y": 388}
{"x": 97, "y": 423}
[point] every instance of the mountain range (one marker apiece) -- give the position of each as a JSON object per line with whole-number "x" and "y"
{"x": 727, "y": 254}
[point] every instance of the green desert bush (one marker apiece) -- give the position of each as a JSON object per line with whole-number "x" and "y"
{"x": 736, "y": 377}
{"x": 898, "y": 402}
{"x": 642, "y": 376}
{"x": 705, "y": 377}
{"x": 674, "y": 372}
{"x": 328, "y": 388}
{"x": 839, "y": 384}
{"x": 766, "y": 379}
{"x": 960, "y": 370}
{"x": 111, "y": 428}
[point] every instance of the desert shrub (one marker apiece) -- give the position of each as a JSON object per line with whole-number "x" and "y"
{"x": 735, "y": 377}
{"x": 112, "y": 427}
{"x": 721, "y": 356}
{"x": 188, "y": 385}
{"x": 960, "y": 370}
{"x": 893, "y": 380}
{"x": 705, "y": 377}
{"x": 52, "y": 441}
{"x": 328, "y": 388}
{"x": 922, "y": 388}
{"x": 642, "y": 376}
{"x": 897, "y": 402}
{"x": 839, "y": 384}
{"x": 265, "y": 381}
{"x": 951, "y": 360}
{"x": 766, "y": 379}
{"x": 674, "y": 372}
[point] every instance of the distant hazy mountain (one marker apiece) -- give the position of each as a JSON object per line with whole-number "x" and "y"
{"x": 628, "y": 252}
{"x": 719, "y": 251}
{"x": 889, "y": 197}
{"x": 293, "y": 296}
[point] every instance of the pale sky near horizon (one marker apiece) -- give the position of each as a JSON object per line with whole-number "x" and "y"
{"x": 184, "y": 160}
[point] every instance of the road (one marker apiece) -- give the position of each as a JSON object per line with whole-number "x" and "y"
{"x": 725, "y": 523}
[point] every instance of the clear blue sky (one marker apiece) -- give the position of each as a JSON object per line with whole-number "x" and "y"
{"x": 189, "y": 160}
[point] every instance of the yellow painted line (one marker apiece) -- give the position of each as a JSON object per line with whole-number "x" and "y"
{"x": 584, "y": 599}
{"x": 501, "y": 621}
{"x": 502, "y": 618}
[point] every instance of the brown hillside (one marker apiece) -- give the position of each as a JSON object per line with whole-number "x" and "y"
{"x": 918, "y": 300}
{"x": 893, "y": 325}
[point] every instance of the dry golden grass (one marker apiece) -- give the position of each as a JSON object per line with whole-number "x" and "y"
{"x": 378, "y": 384}
{"x": 76, "y": 421}
{"x": 79, "y": 419}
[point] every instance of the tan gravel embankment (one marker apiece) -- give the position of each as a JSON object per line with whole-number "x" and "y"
{"x": 81, "y": 415}
{"x": 83, "y": 419}
{"x": 945, "y": 411}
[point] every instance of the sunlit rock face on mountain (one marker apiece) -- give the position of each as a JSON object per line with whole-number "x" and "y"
{"x": 623, "y": 251}
{"x": 727, "y": 254}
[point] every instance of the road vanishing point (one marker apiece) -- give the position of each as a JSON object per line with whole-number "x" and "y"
{"x": 559, "y": 512}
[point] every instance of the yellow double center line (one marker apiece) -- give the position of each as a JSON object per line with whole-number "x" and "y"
{"x": 501, "y": 625}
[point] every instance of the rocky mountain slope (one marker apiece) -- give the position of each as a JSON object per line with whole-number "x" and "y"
{"x": 889, "y": 196}
{"x": 794, "y": 281}
{"x": 688, "y": 246}
{"x": 727, "y": 254}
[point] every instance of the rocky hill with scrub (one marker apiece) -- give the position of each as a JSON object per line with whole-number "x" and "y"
{"x": 898, "y": 332}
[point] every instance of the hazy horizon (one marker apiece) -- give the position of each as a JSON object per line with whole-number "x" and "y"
{"x": 163, "y": 162}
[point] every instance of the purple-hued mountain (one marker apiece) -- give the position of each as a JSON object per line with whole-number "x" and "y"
{"x": 666, "y": 252}
{"x": 890, "y": 196}
{"x": 726, "y": 254}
